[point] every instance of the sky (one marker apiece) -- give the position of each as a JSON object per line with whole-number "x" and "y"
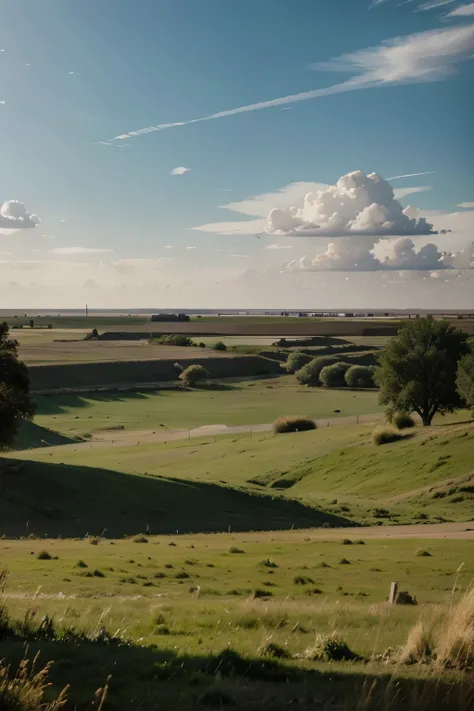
{"x": 311, "y": 154}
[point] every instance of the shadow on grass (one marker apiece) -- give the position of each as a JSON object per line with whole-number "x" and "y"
{"x": 57, "y": 404}
{"x": 151, "y": 678}
{"x": 70, "y": 501}
{"x": 33, "y": 436}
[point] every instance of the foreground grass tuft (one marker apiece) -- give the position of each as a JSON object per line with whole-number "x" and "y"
{"x": 26, "y": 690}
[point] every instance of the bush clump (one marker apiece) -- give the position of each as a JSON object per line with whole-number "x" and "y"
{"x": 309, "y": 373}
{"x": 333, "y": 376}
{"x": 385, "y": 435}
{"x": 330, "y": 648}
{"x": 296, "y": 361}
{"x": 293, "y": 424}
{"x": 403, "y": 421}
{"x": 193, "y": 375}
{"x": 44, "y": 555}
{"x": 359, "y": 376}
{"x": 173, "y": 339}
{"x": 220, "y": 346}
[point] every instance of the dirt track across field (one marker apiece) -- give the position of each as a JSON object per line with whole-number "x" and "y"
{"x": 419, "y": 531}
{"x": 122, "y": 438}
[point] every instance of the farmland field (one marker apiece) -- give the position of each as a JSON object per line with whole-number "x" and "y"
{"x": 55, "y": 347}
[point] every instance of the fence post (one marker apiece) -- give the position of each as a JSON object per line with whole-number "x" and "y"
{"x": 392, "y": 598}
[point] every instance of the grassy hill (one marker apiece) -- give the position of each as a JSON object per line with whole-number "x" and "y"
{"x": 265, "y": 482}
{"x": 64, "y": 500}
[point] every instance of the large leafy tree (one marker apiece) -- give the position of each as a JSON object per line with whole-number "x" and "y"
{"x": 417, "y": 370}
{"x": 15, "y": 402}
{"x": 465, "y": 379}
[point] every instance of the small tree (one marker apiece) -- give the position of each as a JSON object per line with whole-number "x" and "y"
{"x": 465, "y": 379}
{"x": 332, "y": 376}
{"x": 15, "y": 402}
{"x": 359, "y": 376}
{"x": 309, "y": 373}
{"x": 296, "y": 361}
{"x": 220, "y": 346}
{"x": 194, "y": 374}
{"x": 417, "y": 369}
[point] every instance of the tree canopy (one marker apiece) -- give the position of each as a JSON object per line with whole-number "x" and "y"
{"x": 465, "y": 379}
{"x": 417, "y": 369}
{"x": 15, "y": 401}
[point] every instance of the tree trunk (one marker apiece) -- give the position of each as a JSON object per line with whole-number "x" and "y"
{"x": 427, "y": 418}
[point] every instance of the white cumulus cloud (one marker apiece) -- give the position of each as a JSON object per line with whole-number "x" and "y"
{"x": 180, "y": 170}
{"x": 467, "y": 205}
{"x": 358, "y": 204}
{"x": 14, "y": 215}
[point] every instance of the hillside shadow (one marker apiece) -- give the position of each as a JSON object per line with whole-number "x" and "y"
{"x": 33, "y": 436}
{"x": 57, "y": 404}
{"x": 147, "y": 677}
{"x": 71, "y": 501}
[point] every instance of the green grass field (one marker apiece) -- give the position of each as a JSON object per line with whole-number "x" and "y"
{"x": 240, "y": 403}
{"x": 180, "y": 602}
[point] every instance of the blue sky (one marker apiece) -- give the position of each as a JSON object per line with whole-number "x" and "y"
{"x": 77, "y": 74}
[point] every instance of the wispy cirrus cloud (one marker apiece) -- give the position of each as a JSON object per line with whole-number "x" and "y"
{"x": 421, "y": 57}
{"x": 411, "y": 175}
{"x": 462, "y": 11}
{"x": 433, "y": 5}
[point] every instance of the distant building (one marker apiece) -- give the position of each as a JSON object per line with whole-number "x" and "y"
{"x": 170, "y": 317}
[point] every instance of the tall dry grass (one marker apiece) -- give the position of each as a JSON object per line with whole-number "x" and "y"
{"x": 455, "y": 647}
{"x": 450, "y": 643}
{"x": 25, "y": 690}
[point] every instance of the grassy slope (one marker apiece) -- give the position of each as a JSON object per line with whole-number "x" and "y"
{"x": 246, "y": 403}
{"x": 429, "y": 474}
{"x": 45, "y": 498}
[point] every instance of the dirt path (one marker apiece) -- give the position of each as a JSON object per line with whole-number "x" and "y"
{"x": 453, "y": 530}
{"x": 123, "y": 438}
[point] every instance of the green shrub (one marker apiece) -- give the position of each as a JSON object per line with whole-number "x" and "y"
{"x": 359, "y": 376}
{"x": 296, "y": 361}
{"x": 403, "y": 421}
{"x": 385, "y": 435}
{"x": 173, "y": 339}
{"x": 333, "y": 376}
{"x": 220, "y": 346}
{"x": 44, "y": 555}
{"x": 309, "y": 373}
{"x": 293, "y": 424}
{"x": 194, "y": 374}
{"x": 330, "y": 648}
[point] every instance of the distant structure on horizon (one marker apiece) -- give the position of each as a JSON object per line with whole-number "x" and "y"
{"x": 170, "y": 317}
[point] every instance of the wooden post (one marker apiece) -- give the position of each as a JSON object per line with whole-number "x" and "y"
{"x": 392, "y": 598}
